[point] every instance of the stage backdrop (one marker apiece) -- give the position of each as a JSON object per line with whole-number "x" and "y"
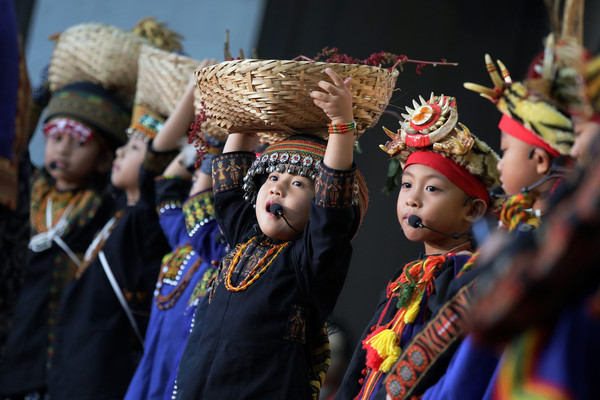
{"x": 456, "y": 30}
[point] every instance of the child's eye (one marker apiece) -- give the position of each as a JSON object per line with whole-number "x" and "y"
{"x": 406, "y": 185}
{"x": 273, "y": 178}
{"x": 431, "y": 188}
{"x": 298, "y": 183}
{"x": 80, "y": 143}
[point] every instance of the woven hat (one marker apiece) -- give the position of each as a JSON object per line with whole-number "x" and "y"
{"x": 432, "y": 127}
{"x": 97, "y": 53}
{"x": 526, "y": 115}
{"x": 95, "y": 107}
{"x": 299, "y": 155}
{"x": 162, "y": 79}
{"x": 272, "y": 97}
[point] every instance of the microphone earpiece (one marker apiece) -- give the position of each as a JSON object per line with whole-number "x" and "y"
{"x": 52, "y": 165}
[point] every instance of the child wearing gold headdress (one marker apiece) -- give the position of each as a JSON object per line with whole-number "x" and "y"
{"x": 446, "y": 175}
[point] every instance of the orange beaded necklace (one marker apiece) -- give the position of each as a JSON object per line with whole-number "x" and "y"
{"x": 253, "y": 275}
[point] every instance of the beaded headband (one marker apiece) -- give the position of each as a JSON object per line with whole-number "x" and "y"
{"x": 541, "y": 119}
{"x": 145, "y": 123}
{"x": 432, "y": 127}
{"x": 68, "y": 126}
{"x": 298, "y": 155}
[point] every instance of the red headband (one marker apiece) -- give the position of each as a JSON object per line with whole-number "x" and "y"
{"x": 517, "y": 130}
{"x": 451, "y": 170}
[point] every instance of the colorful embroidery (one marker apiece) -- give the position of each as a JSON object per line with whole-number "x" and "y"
{"x": 428, "y": 345}
{"x": 518, "y": 378}
{"x": 201, "y": 288}
{"x": 295, "y": 330}
{"x": 198, "y": 211}
{"x": 175, "y": 271}
{"x": 335, "y": 188}
{"x": 228, "y": 169}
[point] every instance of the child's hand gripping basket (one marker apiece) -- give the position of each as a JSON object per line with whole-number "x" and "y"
{"x": 272, "y": 97}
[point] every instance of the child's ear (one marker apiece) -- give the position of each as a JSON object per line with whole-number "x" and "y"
{"x": 542, "y": 161}
{"x": 105, "y": 159}
{"x": 477, "y": 209}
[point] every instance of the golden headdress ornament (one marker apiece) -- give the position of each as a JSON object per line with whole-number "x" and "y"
{"x": 432, "y": 126}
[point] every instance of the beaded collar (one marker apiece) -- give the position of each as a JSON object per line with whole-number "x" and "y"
{"x": 177, "y": 270}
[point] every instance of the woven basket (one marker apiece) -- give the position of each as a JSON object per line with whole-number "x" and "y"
{"x": 162, "y": 79}
{"x": 209, "y": 127}
{"x": 97, "y": 53}
{"x": 272, "y": 96}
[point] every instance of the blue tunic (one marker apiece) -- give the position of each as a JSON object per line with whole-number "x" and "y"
{"x": 195, "y": 238}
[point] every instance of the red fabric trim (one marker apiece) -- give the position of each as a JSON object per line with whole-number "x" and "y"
{"x": 517, "y": 130}
{"x": 458, "y": 175}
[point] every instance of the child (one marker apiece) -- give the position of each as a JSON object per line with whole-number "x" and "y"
{"x": 105, "y": 309}
{"x": 542, "y": 300}
{"x": 83, "y": 125}
{"x": 252, "y": 336}
{"x": 536, "y": 141}
{"x": 520, "y": 166}
{"x": 445, "y": 181}
{"x": 186, "y": 212}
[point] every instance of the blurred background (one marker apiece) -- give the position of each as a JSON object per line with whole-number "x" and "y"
{"x": 456, "y": 30}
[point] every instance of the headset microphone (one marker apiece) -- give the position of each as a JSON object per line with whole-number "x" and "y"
{"x": 558, "y": 169}
{"x": 417, "y": 222}
{"x": 277, "y": 209}
{"x": 52, "y": 165}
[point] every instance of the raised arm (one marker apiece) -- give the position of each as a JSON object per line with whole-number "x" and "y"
{"x": 179, "y": 121}
{"x": 336, "y": 102}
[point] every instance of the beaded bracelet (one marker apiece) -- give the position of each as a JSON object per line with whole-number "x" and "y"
{"x": 341, "y": 128}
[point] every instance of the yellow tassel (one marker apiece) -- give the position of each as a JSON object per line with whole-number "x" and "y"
{"x": 412, "y": 310}
{"x": 385, "y": 345}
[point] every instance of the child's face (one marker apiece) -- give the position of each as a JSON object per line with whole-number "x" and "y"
{"x": 294, "y": 193}
{"x": 585, "y": 133}
{"x": 517, "y": 169}
{"x": 126, "y": 167}
{"x": 70, "y": 159}
{"x": 439, "y": 203}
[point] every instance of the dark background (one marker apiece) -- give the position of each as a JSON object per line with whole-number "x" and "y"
{"x": 457, "y": 30}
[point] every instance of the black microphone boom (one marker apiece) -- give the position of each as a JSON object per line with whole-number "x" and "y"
{"x": 52, "y": 165}
{"x": 417, "y": 222}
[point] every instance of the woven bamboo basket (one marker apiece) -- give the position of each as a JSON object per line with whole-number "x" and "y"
{"x": 272, "y": 96}
{"x": 162, "y": 79}
{"x": 210, "y": 126}
{"x": 102, "y": 54}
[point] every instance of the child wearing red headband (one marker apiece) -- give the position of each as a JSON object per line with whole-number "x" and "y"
{"x": 536, "y": 140}
{"x": 446, "y": 176}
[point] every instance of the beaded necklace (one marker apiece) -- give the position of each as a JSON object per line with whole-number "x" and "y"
{"x": 171, "y": 274}
{"x": 253, "y": 275}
